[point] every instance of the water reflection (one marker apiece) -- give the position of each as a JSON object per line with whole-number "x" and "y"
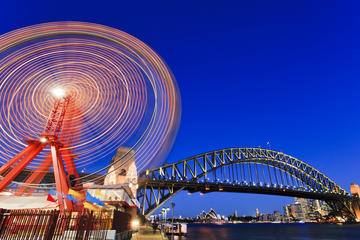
{"x": 272, "y": 231}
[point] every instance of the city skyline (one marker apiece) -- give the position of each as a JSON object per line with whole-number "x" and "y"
{"x": 248, "y": 74}
{"x": 300, "y": 210}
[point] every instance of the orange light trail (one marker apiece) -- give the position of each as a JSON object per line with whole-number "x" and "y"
{"x": 124, "y": 92}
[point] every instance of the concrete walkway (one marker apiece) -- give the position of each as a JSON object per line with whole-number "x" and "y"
{"x": 146, "y": 232}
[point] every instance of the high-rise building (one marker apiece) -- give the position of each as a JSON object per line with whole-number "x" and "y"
{"x": 298, "y": 212}
{"x": 316, "y": 204}
{"x": 294, "y": 212}
{"x": 235, "y": 213}
{"x": 315, "y": 210}
{"x": 257, "y": 214}
{"x": 277, "y": 216}
{"x": 287, "y": 216}
{"x": 325, "y": 208}
{"x": 304, "y": 207}
{"x": 304, "y": 204}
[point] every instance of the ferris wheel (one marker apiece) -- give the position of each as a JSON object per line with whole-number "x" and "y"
{"x": 71, "y": 94}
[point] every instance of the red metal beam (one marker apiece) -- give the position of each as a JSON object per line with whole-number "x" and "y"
{"x": 62, "y": 183}
{"x": 15, "y": 159}
{"x": 56, "y": 122}
{"x": 35, "y": 177}
{"x": 20, "y": 166}
{"x": 69, "y": 157}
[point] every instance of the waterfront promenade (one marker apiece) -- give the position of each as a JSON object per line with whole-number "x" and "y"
{"x": 146, "y": 232}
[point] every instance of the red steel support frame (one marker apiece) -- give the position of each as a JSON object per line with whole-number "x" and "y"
{"x": 62, "y": 184}
{"x": 35, "y": 177}
{"x": 20, "y": 166}
{"x": 59, "y": 154}
{"x": 69, "y": 162}
{"x": 67, "y": 137}
{"x": 15, "y": 159}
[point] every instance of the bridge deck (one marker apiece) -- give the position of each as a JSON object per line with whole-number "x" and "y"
{"x": 226, "y": 187}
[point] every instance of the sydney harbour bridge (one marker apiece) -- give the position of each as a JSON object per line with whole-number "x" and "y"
{"x": 244, "y": 170}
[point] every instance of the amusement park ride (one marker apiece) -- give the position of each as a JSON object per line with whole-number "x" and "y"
{"x": 58, "y": 135}
{"x": 104, "y": 89}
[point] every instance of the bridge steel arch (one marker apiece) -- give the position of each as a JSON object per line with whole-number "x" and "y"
{"x": 248, "y": 170}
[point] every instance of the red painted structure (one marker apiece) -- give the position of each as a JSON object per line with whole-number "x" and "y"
{"x": 58, "y": 134}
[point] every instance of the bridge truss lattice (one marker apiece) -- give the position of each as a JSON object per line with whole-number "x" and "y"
{"x": 248, "y": 170}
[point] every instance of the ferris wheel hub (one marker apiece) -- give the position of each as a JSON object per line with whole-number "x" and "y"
{"x": 58, "y": 92}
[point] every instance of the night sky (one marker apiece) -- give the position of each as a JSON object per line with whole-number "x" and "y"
{"x": 249, "y": 72}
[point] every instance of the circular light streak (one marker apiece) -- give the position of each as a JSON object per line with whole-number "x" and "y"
{"x": 124, "y": 94}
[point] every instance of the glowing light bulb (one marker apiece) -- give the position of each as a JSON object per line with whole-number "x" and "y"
{"x": 135, "y": 224}
{"x": 58, "y": 92}
{"x": 43, "y": 139}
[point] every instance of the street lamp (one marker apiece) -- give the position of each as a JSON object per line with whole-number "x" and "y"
{"x": 165, "y": 209}
{"x": 172, "y": 219}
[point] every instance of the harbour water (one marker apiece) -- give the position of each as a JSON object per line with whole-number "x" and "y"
{"x": 273, "y": 231}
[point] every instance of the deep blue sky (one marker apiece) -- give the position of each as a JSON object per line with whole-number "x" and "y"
{"x": 248, "y": 72}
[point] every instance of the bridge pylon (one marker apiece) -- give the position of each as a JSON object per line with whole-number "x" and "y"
{"x": 355, "y": 191}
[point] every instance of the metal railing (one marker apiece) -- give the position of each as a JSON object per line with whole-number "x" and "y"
{"x": 52, "y": 224}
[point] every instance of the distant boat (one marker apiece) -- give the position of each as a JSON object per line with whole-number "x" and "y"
{"x": 175, "y": 229}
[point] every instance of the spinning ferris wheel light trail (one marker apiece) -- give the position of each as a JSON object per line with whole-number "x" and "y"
{"x": 103, "y": 89}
